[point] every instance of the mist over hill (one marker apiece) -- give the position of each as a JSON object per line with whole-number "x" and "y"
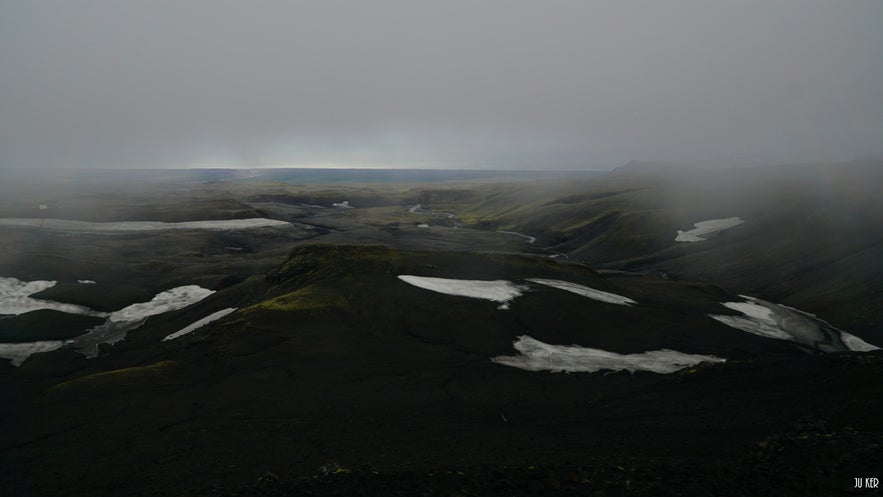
{"x": 297, "y": 335}
{"x": 500, "y": 248}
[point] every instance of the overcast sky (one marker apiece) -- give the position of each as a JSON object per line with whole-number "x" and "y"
{"x": 447, "y": 83}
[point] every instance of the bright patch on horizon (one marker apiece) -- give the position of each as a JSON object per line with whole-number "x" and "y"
{"x": 780, "y": 322}
{"x": 501, "y": 291}
{"x": 585, "y": 291}
{"x": 199, "y": 324}
{"x": 126, "y": 226}
{"x": 86, "y": 282}
{"x": 535, "y": 355}
{"x": 706, "y": 228}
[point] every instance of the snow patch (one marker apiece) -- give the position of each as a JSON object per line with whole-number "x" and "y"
{"x": 342, "y": 205}
{"x": 501, "y": 291}
{"x": 781, "y": 322}
{"x": 86, "y": 282}
{"x": 127, "y": 226}
{"x": 754, "y": 326}
{"x": 199, "y": 324}
{"x": 121, "y": 322}
{"x": 15, "y": 298}
{"x": 755, "y": 319}
{"x": 585, "y": 291}
{"x": 706, "y": 228}
{"x": 423, "y": 225}
{"x": 855, "y": 343}
{"x": 110, "y": 332}
{"x": 169, "y": 300}
{"x": 530, "y": 239}
{"x": 19, "y": 352}
{"x": 539, "y": 356}
{"x": 418, "y": 209}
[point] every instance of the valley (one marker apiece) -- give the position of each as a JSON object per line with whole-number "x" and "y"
{"x": 630, "y": 333}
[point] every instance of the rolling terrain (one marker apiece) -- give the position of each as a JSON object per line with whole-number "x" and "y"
{"x": 453, "y": 338}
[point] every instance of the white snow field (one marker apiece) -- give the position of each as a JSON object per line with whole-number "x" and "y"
{"x": 535, "y": 355}
{"x": 120, "y": 322}
{"x": 585, "y": 291}
{"x": 501, "y": 291}
{"x": 199, "y": 324}
{"x": 127, "y": 226}
{"x": 706, "y": 228}
{"x": 855, "y": 343}
{"x": 19, "y": 352}
{"x": 15, "y": 298}
{"x": 169, "y": 300}
{"x": 781, "y": 322}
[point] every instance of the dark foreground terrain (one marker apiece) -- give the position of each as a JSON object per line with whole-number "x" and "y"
{"x": 335, "y": 377}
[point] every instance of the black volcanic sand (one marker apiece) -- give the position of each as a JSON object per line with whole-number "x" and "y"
{"x": 806, "y": 460}
{"x": 44, "y": 324}
{"x": 336, "y": 378}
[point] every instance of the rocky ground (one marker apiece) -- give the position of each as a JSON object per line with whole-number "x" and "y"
{"x": 335, "y": 377}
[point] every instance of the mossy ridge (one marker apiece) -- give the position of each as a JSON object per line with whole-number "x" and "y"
{"x": 117, "y": 375}
{"x": 308, "y": 299}
{"x": 309, "y": 262}
{"x": 532, "y": 266}
{"x": 354, "y": 284}
{"x": 577, "y": 228}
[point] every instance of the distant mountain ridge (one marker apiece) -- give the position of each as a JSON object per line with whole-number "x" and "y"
{"x": 653, "y": 167}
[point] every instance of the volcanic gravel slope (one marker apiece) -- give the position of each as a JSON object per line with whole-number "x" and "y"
{"x": 334, "y": 367}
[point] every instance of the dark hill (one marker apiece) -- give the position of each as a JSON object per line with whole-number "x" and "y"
{"x": 812, "y": 235}
{"x": 335, "y": 367}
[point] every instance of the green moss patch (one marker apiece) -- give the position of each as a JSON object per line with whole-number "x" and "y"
{"x": 116, "y": 376}
{"x": 304, "y": 300}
